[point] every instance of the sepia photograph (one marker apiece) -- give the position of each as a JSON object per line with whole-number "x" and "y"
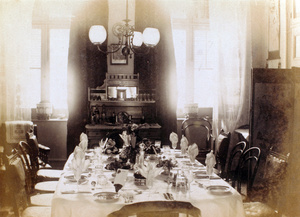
{"x": 196, "y": 114}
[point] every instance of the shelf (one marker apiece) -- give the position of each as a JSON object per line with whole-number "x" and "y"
{"x": 122, "y": 103}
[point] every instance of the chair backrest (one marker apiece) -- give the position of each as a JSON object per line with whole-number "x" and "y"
{"x": 197, "y": 131}
{"x": 275, "y": 170}
{"x": 234, "y": 159}
{"x": 30, "y": 167}
{"x": 221, "y": 150}
{"x": 249, "y": 162}
{"x": 158, "y": 209}
{"x": 16, "y": 182}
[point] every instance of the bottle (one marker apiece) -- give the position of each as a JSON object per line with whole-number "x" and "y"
{"x": 103, "y": 114}
{"x": 143, "y": 119}
{"x": 97, "y": 115}
{"x": 113, "y": 118}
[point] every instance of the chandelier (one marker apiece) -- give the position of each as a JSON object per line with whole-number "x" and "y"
{"x": 129, "y": 40}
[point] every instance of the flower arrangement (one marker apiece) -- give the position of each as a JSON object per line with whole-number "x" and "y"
{"x": 167, "y": 164}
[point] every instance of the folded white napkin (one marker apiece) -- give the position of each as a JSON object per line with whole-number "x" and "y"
{"x": 78, "y": 163}
{"x": 79, "y": 152}
{"x": 83, "y": 136}
{"x": 126, "y": 138}
{"x": 83, "y": 145}
{"x": 210, "y": 162}
{"x": 184, "y": 144}
{"x": 150, "y": 170}
{"x": 193, "y": 150}
{"x": 173, "y": 138}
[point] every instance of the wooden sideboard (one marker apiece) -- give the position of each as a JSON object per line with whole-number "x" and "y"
{"x": 97, "y": 132}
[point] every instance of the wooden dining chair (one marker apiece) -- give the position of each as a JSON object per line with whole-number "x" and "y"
{"x": 198, "y": 130}
{"x": 16, "y": 183}
{"x": 40, "y": 150}
{"x": 41, "y": 170}
{"x": 233, "y": 162}
{"x": 266, "y": 199}
{"x": 35, "y": 198}
{"x": 42, "y": 180}
{"x": 158, "y": 209}
{"x": 221, "y": 146}
{"x": 249, "y": 163}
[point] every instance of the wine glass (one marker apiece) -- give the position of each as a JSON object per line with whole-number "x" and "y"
{"x": 192, "y": 159}
{"x": 174, "y": 146}
{"x": 209, "y": 172}
{"x": 77, "y": 177}
{"x": 190, "y": 177}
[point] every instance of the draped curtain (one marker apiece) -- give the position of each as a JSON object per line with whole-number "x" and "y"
{"x": 231, "y": 27}
{"x": 86, "y": 65}
{"x": 15, "y": 22}
{"x": 158, "y": 68}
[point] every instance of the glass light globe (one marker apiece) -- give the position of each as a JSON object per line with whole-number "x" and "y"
{"x": 151, "y": 37}
{"x": 137, "y": 39}
{"x": 97, "y": 34}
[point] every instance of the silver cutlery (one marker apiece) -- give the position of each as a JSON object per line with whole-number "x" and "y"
{"x": 168, "y": 196}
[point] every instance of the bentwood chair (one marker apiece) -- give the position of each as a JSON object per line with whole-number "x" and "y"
{"x": 41, "y": 170}
{"x": 18, "y": 197}
{"x": 198, "y": 130}
{"x": 158, "y": 209}
{"x": 221, "y": 146}
{"x": 267, "y": 198}
{"x": 36, "y": 199}
{"x": 38, "y": 175}
{"x": 233, "y": 162}
{"x": 249, "y": 162}
{"x": 42, "y": 151}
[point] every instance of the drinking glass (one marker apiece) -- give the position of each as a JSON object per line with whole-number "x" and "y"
{"x": 174, "y": 146}
{"x": 128, "y": 195}
{"x": 77, "y": 176}
{"x": 192, "y": 159}
{"x": 166, "y": 149}
{"x": 209, "y": 172}
{"x": 101, "y": 180}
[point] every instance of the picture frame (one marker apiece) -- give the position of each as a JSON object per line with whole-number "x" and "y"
{"x": 118, "y": 58}
{"x": 274, "y": 30}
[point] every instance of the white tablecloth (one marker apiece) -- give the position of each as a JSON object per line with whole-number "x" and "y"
{"x": 66, "y": 204}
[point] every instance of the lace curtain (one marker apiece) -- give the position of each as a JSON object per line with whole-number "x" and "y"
{"x": 15, "y": 22}
{"x": 231, "y": 27}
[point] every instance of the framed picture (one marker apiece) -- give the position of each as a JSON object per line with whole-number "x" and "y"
{"x": 274, "y": 30}
{"x": 118, "y": 58}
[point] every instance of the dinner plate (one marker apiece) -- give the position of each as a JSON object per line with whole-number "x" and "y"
{"x": 106, "y": 196}
{"x": 71, "y": 178}
{"x": 218, "y": 189}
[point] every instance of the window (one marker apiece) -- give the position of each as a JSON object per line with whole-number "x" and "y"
{"x": 49, "y": 56}
{"x": 194, "y": 54}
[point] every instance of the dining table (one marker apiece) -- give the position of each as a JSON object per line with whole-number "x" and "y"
{"x": 211, "y": 194}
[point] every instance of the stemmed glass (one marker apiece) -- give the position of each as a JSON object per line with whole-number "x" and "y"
{"x": 77, "y": 177}
{"x": 174, "y": 146}
{"x": 189, "y": 176}
{"x": 192, "y": 159}
{"x": 209, "y": 172}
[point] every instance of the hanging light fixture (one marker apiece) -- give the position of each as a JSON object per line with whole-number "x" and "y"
{"x": 129, "y": 40}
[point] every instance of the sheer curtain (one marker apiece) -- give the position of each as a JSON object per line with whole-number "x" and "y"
{"x": 231, "y": 27}
{"x": 15, "y": 22}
